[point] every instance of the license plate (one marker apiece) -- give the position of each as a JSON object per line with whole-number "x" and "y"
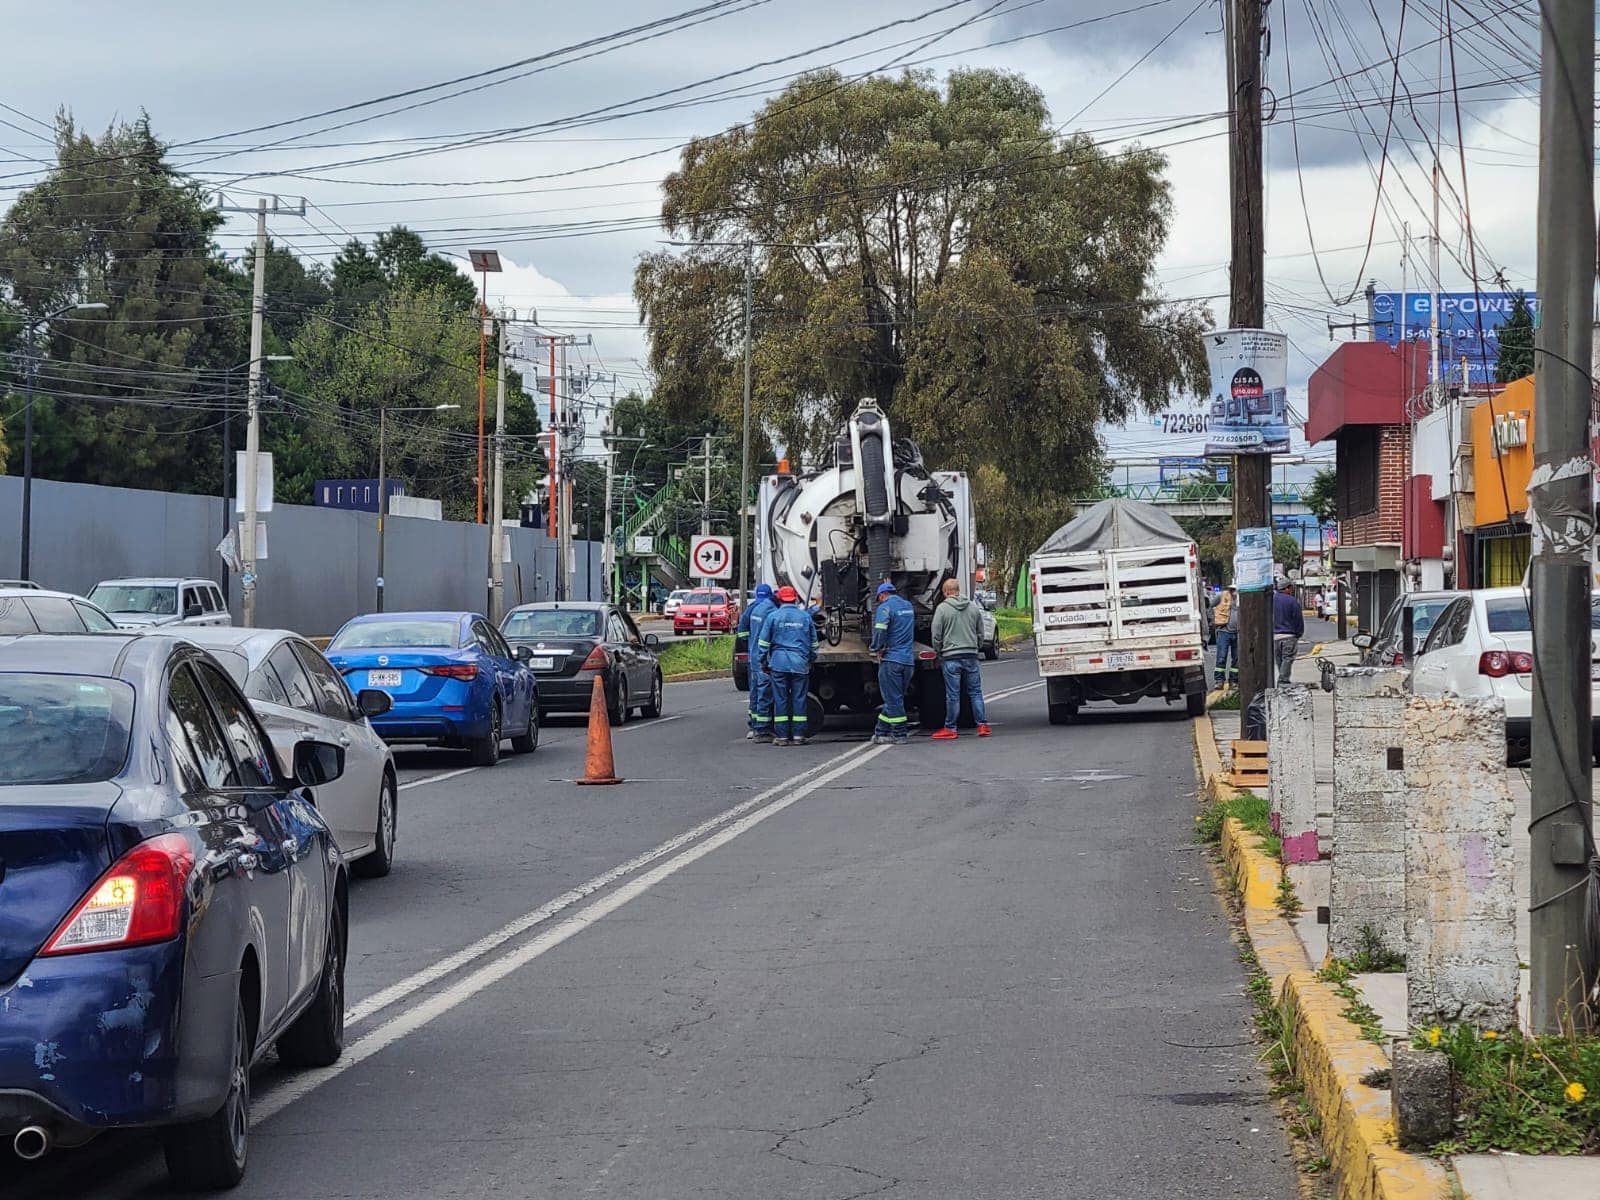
{"x": 542, "y": 664}
{"x": 383, "y": 679}
{"x": 1120, "y": 660}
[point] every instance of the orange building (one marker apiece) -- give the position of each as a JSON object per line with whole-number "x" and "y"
{"x": 1502, "y": 459}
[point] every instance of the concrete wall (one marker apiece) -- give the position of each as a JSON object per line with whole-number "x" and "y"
{"x": 321, "y": 565}
{"x": 1291, "y": 759}
{"x": 1367, "y": 887}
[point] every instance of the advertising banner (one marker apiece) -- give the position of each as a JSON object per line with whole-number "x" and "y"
{"x": 1252, "y": 560}
{"x": 1406, "y": 316}
{"x": 1249, "y": 392}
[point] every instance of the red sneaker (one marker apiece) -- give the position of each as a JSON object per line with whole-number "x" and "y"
{"x": 983, "y": 731}
{"x": 944, "y": 735}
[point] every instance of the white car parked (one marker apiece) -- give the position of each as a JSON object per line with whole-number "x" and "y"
{"x": 1481, "y": 646}
{"x": 141, "y": 604}
{"x": 298, "y": 695}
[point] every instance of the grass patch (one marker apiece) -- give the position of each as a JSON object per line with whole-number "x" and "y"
{"x": 687, "y": 656}
{"x": 1013, "y": 625}
{"x": 1372, "y": 956}
{"x": 1527, "y": 1095}
{"x": 1227, "y": 702}
{"x": 1250, "y": 810}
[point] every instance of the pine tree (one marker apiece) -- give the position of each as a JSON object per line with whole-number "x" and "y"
{"x": 1516, "y": 343}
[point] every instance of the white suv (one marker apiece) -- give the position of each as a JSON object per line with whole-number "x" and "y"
{"x": 1481, "y": 645}
{"x": 149, "y": 603}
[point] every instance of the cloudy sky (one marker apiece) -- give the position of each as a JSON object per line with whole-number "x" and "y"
{"x": 557, "y": 162}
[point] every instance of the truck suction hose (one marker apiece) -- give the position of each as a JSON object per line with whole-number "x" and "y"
{"x": 878, "y": 518}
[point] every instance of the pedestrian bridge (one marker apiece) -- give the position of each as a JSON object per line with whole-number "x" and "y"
{"x": 1197, "y": 499}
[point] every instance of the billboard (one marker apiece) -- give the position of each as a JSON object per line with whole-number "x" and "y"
{"x": 1249, "y": 408}
{"x": 1175, "y": 472}
{"x": 1459, "y": 316}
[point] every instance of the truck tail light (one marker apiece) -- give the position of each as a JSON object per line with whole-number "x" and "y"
{"x": 1185, "y": 655}
{"x": 598, "y": 660}
{"x": 926, "y": 655}
{"x": 138, "y": 901}
{"x": 453, "y": 670}
{"x": 1497, "y": 664}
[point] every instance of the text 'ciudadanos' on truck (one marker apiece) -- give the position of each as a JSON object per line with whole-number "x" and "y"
{"x": 1117, "y": 612}
{"x": 874, "y": 512}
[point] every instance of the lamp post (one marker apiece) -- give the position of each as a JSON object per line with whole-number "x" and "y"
{"x": 383, "y": 488}
{"x": 227, "y": 455}
{"x": 29, "y": 367}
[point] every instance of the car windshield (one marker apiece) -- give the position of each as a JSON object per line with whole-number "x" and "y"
{"x": 62, "y": 728}
{"x": 383, "y": 635}
{"x": 158, "y": 600}
{"x": 1423, "y": 614}
{"x": 552, "y": 622}
{"x": 706, "y": 598}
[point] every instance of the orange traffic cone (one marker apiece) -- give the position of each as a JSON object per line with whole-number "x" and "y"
{"x": 598, "y": 766}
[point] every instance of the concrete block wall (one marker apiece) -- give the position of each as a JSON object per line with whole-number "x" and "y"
{"x": 1292, "y": 793}
{"x": 1367, "y": 884}
{"x": 1460, "y": 890}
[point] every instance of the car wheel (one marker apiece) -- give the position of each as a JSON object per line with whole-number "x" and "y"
{"x": 210, "y": 1154}
{"x": 381, "y": 860}
{"x": 486, "y": 750}
{"x": 619, "y": 711}
{"x": 528, "y": 741}
{"x": 991, "y": 651}
{"x": 316, "y": 1039}
{"x": 657, "y": 698}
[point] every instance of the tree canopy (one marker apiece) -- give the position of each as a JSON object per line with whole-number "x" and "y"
{"x": 1516, "y": 342}
{"x": 939, "y": 249}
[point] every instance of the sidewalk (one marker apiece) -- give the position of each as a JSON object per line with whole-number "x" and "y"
{"x": 1480, "y": 1177}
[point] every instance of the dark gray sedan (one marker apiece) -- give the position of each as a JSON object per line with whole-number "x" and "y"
{"x": 571, "y": 642}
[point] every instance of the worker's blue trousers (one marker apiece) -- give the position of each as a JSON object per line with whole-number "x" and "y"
{"x": 788, "y": 704}
{"x": 760, "y": 698}
{"x": 893, "y": 678}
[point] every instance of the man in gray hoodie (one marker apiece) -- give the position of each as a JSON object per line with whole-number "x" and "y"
{"x": 957, "y": 630}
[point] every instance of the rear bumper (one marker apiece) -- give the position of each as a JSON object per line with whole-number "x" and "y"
{"x": 401, "y": 725}
{"x": 569, "y": 694}
{"x": 113, "y": 1038}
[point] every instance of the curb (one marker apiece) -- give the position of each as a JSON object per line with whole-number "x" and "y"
{"x": 1330, "y": 1055}
{"x": 696, "y": 676}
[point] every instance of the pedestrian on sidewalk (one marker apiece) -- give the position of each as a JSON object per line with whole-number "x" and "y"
{"x": 1227, "y": 618}
{"x": 894, "y": 632}
{"x": 788, "y": 645}
{"x": 748, "y": 643}
{"x": 1288, "y": 627}
{"x": 957, "y": 631}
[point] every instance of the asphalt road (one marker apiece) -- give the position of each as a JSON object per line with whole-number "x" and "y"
{"x": 973, "y": 969}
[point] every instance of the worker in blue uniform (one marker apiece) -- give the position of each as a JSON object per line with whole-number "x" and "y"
{"x": 894, "y": 631}
{"x": 788, "y": 646}
{"x": 747, "y": 642}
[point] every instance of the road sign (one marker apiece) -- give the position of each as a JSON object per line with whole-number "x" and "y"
{"x": 711, "y": 556}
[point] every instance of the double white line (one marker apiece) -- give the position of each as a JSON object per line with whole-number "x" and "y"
{"x": 727, "y": 826}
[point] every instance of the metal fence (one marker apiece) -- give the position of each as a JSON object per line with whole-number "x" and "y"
{"x": 321, "y": 565}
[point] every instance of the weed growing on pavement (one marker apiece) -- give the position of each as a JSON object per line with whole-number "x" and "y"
{"x": 1373, "y": 957}
{"x": 1526, "y": 1095}
{"x": 695, "y": 655}
{"x": 1340, "y": 975}
{"x": 1227, "y": 702}
{"x": 1288, "y": 899}
{"x": 1250, "y": 810}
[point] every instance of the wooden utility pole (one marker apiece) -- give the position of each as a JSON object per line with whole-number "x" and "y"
{"x": 1561, "y": 515}
{"x": 1247, "y": 310}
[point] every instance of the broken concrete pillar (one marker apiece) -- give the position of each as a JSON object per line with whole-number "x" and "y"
{"x": 1367, "y": 886}
{"x": 1460, "y": 893}
{"x": 1292, "y": 793}
{"x": 1423, "y": 1093}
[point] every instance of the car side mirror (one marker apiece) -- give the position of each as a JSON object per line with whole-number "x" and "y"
{"x": 1362, "y": 641}
{"x": 524, "y": 654}
{"x": 316, "y": 763}
{"x": 192, "y": 611}
{"x": 651, "y": 641}
{"x": 373, "y": 702}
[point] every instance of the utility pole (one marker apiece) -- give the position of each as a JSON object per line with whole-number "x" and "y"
{"x": 553, "y": 516}
{"x": 1561, "y": 516}
{"x": 705, "y": 502}
{"x": 608, "y": 553}
{"x": 568, "y": 467}
{"x": 1247, "y": 310}
{"x": 744, "y": 470}
{"x": 252, "y": 435}
{"x": 383, "y": 497}
{"x": 497, "y": 582}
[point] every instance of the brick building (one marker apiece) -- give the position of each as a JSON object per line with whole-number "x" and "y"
{"x": 1357, "y": 398}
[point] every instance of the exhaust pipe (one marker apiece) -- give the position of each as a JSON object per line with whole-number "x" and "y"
{"x": 31, "y": 1143}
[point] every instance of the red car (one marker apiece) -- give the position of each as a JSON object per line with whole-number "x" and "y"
{"x": 709, "y": 610}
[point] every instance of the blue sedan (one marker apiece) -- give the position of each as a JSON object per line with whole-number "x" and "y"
{"x": 454, "y": 680}
{"x": 171, "y": 903}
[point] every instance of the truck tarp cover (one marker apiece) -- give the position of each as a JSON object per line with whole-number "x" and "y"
{"x": 1114, "y": 525}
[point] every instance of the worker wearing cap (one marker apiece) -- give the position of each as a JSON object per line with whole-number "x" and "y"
{"x": 747, "y": 642}
{"x": 894, "y": 630}
{"x": 788, "y": 646}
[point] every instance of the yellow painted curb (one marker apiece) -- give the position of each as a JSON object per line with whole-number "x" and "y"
{"x": 1331, "y": 1056}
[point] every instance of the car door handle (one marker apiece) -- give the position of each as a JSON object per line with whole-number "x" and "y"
{"x": 289, "y": 848}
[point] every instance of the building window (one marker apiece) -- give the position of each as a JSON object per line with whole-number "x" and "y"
{"x": 1356, "y": 466}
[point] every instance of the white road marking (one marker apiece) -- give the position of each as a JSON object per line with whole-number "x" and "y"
{"x": 440, "y": 778}
{"x": 1026, "y": 687}
{"x": 452, "y": 962}
{"x": 492, "y": 972}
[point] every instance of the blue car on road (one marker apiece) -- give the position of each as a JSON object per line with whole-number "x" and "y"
{"x": 454, "y": 680}
{"x": 171, "y": 903}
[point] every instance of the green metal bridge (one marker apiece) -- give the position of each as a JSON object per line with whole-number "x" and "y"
{"x": 1199, "y": 498}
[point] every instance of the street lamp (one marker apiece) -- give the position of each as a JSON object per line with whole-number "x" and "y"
{"x": 29, "y": 367}
{"x": 227, "y": 451}
{"x": 383, "y": 489}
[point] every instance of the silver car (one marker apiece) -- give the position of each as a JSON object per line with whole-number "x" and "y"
{"x": 141, "y": 604}
{"x": 298, "y": 696}
{"x": 28, "y": 608}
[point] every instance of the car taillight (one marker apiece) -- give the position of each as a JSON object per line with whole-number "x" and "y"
{"x": 741, "y": 658}
{"x": 1398, "y": 659}
{"x": 453, "y": 670}
{"x": 598, "y": 660}
{"x": 926, "y": 655}
{"x": 1498, "y": 663}
{"x": 138, "y": 901}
